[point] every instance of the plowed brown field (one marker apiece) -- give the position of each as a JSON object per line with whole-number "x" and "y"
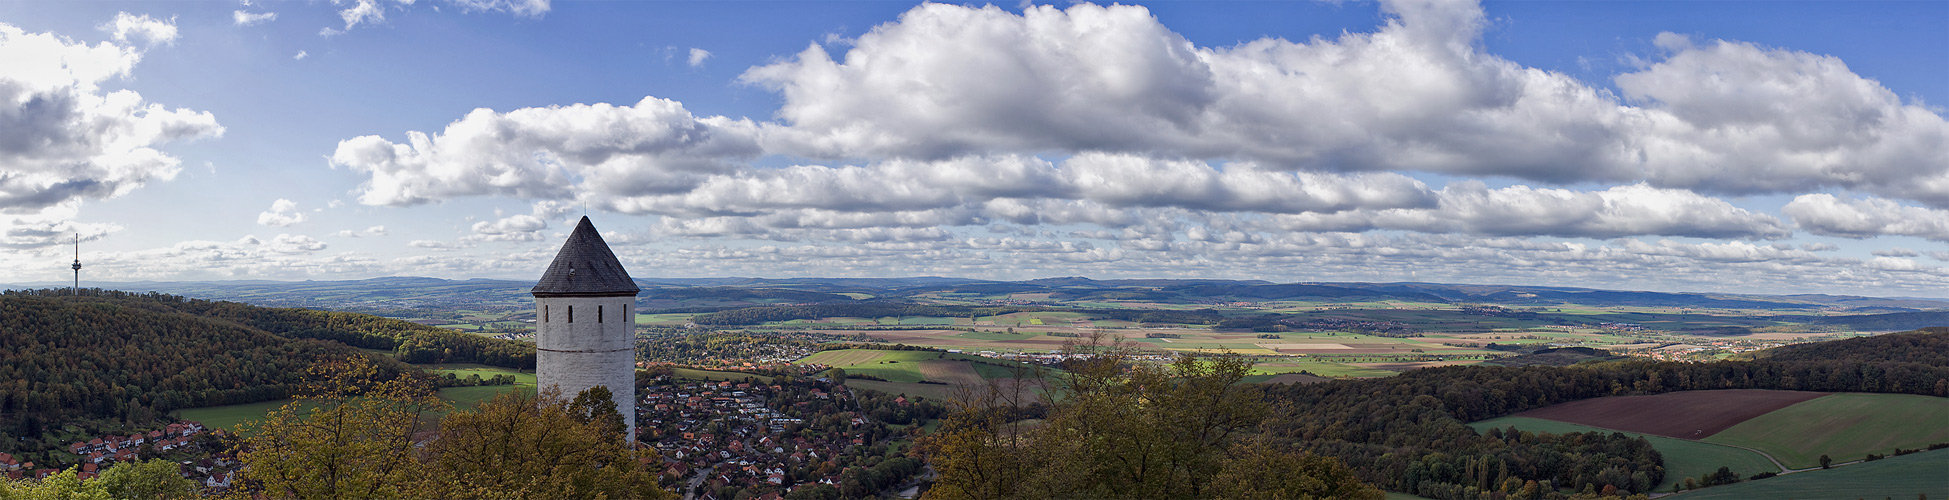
{"x": 1684, "y": 415}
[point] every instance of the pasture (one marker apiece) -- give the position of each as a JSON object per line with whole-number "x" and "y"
{"x": 935, "y": 392}
{"x": 1683, "y": 458}
{"x": 913, "y": 366}
{"x": 894, "y": 366}
{"x": 1907, "y": 476}
{"x": 1845, "y": 427}
{"x": 696, "y": 374}
{"x": 228, "y": 417}
{"x": 463, "y": 370}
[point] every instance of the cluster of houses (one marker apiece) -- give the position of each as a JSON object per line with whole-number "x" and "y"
{"x": 98, "y": 453}
{"x": 722, "y": 433}
{"x": 15, "y": 469}
{"x": 116, "y": 448}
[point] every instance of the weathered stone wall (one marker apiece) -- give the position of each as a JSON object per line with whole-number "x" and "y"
{"x": 588, "y": 351}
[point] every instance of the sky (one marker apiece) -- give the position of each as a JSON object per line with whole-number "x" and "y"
{"x": 1708, "y": 146}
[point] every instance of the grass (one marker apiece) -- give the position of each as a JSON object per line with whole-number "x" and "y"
{"x": 1321, "y": 368}
{"x": 1683, "y": 458}
{"x": 1906, "y": 476}
{"x": 462, "y": 370}
{"x": 935, "y": 392}
{"x": 464, "y": 398}
{"x": 894, "y": 366}
{"x": 980, "y": 335}
{"x": 229, "y": 416}
{"x": 843, "y": 357}
{"x": 696, "y": 374}
{"x": 1845, "y": 427}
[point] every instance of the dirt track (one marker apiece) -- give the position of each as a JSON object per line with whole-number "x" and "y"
{"x": 1684, "y": 415}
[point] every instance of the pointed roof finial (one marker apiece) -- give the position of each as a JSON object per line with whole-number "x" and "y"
{"x": 585, "y": 267}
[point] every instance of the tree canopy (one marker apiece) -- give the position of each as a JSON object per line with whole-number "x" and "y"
{"x": 1116, "y": 428}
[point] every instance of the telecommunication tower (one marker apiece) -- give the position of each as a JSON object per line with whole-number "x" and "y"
{"x": 76, "y": 291}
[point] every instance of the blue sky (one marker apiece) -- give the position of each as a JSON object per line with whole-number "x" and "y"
{"x": 1774, "y": 147}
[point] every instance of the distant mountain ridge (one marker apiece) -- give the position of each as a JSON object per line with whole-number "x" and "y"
{"x": 664, "y": 293}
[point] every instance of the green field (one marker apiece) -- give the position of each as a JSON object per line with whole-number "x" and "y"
{"x": 1904, "y": 477}
{"x": 1321, "y": 368}
{"x": 469, "y": 397}
{"x": 1846, "y": 427}
{"x": 696, "y": 374}
{"x": 229, "y": 416}
{"x": 935, "y": 392}
{"x": 462, "y": 370}
{"x": 984, "y": 335}
{"x": 1683, "y": 458}
{"x": 894, "y": 366}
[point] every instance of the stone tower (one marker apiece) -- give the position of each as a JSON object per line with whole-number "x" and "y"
{"x": 585, "y": 323}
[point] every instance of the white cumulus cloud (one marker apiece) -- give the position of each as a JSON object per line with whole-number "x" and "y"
{"x": 283, "y": 213}
{"x": 697, "y": 56}
{"x": 66, "y": 139}
{"x": 1829, "y": 215}
{"x": 242, "y": 17}
{"x": 127, "y": 27}
{"x": 1417, "y": 94}
{"x": 655, "y": 146}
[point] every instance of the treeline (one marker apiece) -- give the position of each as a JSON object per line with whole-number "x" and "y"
{"x": 1879, "y": 322}
{"x": 411, "y": 342}
{"x": 739, "y": 293}
{"x": 768, "y": 314}
{"x": 1927, "y": 346}
{"x": 1408, "y": 433}
{"x": 68, "y": 359}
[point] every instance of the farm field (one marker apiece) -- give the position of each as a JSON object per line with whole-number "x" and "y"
{"x": 911, "y": 366}
{"x": 937, "y": 392}
{"x": 1907, "y": 476}
{"x": 229, "y": 416}
{"x": 1284, "y": 378}
{"x": 1317, "y": 367}
{"x": 462, "y": 370}
{"x": 1685, "y": 414}
{"x": 696, "y": 374}
{"x": 1846, "y": 427}
{"x": 1323, "y": 353}
{"x": 1683, "y": 458}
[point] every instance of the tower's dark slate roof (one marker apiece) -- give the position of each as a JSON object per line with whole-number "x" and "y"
{"x": 585, "y": 267}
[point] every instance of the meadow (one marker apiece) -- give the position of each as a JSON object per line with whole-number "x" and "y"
{"x": 229, "y": 416}
{"x": 1845, "y": 427}
{"x": 1683, "y": 458}
{"x": 1918, "y": 475}
{"x": 910, "y": 366}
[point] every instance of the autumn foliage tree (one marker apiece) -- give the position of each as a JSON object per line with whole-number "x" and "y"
{"x": 1118, "y": 428}
{"x": 538, "y": 446}
{"x": 348, "y": 436}
{"x": 356, "y": 435}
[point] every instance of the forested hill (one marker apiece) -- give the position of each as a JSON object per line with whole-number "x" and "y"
{"x": 1408, "y": 432}
{"x": 1927, "y": 346}
{"x": 410, "y": 342}
{"x": 68, "y": 359}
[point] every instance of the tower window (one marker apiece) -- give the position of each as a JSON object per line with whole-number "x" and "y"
{"x": 571, "y": 314}
{"x": 598, "y": 314}
{"x": 544, "y": 314}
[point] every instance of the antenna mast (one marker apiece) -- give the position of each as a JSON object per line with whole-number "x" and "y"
{"x": 76, "y": 291}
